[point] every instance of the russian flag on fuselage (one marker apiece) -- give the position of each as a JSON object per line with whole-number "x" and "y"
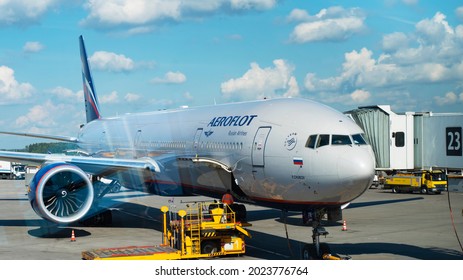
{"x": 298, "y": 161}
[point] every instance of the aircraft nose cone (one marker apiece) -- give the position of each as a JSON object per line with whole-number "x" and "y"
{"x": 356, "y": 168}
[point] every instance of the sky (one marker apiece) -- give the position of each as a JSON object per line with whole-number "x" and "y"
{"x": 148, "y": 55}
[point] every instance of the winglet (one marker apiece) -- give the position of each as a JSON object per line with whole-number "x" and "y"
{"x": 92, "y": 109}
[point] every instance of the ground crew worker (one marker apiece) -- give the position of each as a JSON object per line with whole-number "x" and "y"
{"x": 227, "y": 198}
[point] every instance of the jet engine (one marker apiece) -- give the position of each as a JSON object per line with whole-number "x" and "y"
{"x": 61, "y": 193}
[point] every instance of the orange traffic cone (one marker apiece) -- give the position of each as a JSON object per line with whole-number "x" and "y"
{"x": 73, "y": 236}
{"x": 344, "y": 226}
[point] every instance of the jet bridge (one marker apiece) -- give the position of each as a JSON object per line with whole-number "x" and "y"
{"x": 411, "y": 140}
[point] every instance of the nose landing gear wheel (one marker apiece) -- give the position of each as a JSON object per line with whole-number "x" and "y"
{"x": 309, "y": 252}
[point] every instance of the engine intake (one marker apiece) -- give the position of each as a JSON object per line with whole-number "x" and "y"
{"x": 61, "y": 193}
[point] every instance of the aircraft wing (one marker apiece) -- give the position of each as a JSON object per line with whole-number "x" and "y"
{"x": 43, "y": 136}
{"x": 88, "y": 164}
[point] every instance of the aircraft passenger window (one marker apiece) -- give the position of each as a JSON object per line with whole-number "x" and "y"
{"x": 359, "y": 139}
{"x": 323, "y": 140}
{"x": 311, "y": 141}
{"x": 340, "y": 140}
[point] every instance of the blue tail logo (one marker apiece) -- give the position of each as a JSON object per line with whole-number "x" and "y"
{"x": 92, "y": 108}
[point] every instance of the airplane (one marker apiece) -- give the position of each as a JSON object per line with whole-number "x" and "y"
{"x": 292, "y": 154}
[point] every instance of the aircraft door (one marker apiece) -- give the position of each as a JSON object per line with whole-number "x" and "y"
{"x": 197, "y": 138}
{"x": 258, "y": 148}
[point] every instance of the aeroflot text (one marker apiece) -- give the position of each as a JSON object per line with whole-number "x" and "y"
{"x": 232, "y": 120}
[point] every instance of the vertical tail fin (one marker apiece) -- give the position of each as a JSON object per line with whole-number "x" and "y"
{"x": 92, "y": 109}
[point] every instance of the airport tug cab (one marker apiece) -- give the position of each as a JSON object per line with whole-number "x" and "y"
{"x": 204, "y": 230}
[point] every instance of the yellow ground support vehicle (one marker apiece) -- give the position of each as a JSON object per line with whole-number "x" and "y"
{"x": 424, "y": 181}
{"x": 204, "y": 230}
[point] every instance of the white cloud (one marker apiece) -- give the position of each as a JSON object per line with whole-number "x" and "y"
{"x": 111, "y": 13}
{"x": 32, "y": 47}
{"x": 332, "y": 24}
{"x": 355, "y": 98}
{"x": 187, "y": 95}
{"x": 459, "y": 12}
{"x": 298, "y": 15}
{"x": 361, "y": 70}
{"x": 131, "y": 97}
{"x": 45, "y": 118}
{"x": 40, "y": 115}
{"x": 360, "y": 96}
{"x": 68, "y": 95}
{"x": 23, "y": 12}
{"x": 170, "y": 78}
{"x": 252, "y": 4}
{"x": 108, "y": 61}
{"x": 434, "y": 30}
{"x": 434, "y": 41}
{"x": 258, "y": 83}
{"x": 115, "y": 12}
{"x": 394, "y": 41}
{"x": 430, "y": 55}
{"x": 449, "y": 98}
{"x": 111, "y": 98}
{"x": 10, "y": 89}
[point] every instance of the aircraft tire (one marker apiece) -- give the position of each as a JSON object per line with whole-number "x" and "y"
{"x": 101, "y": 219}
{"x": 240, "y": 211}
{"x": 309, "y": 252}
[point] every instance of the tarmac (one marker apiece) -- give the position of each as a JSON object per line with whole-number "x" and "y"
{"x": 381, "y": 225}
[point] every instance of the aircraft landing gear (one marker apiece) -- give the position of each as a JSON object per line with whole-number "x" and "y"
{"x": 317, "y": 250}
{"x": 104, "y": 218}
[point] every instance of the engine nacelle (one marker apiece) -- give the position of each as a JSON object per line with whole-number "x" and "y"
{"x": 61, "y": 193}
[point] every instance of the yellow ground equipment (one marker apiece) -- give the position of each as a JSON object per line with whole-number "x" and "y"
{"x": 204, "y": 230}
{"x": 434, "y": 181}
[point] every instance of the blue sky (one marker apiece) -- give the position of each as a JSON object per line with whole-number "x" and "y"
{"x": 157, "y": 54}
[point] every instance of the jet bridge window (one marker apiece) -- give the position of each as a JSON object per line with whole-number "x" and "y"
{"x": 340, "y": 140}
{"x": 399, "y": 138}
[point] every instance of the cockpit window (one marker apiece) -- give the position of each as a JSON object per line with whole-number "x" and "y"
{"x": 340, "y": 140}
{"x": 316, "y": 141}
{"x": 323, "y": 140}
{"x": 311, "y": 141}
{"x": 359, "y": 139}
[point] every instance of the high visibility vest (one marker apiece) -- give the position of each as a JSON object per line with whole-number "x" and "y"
{"x": 227, "y": 199}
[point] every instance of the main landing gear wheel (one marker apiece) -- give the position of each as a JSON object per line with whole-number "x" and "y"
{"x": 104, "y": 218}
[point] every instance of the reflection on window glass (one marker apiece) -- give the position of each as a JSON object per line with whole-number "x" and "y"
{"x": 311, "y": 141}
{"x": 399, "y": 139}
{"x": 438, "y": 177}
{"x": 323, "y": 140}
{"x": 340, "y": 140}
{"x": 359, "y": 139}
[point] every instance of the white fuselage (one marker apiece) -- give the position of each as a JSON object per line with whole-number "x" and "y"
{"x": 264, "y": 145}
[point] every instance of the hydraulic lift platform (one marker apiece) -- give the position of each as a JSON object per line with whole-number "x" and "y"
{"x": 208, "y": 229}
